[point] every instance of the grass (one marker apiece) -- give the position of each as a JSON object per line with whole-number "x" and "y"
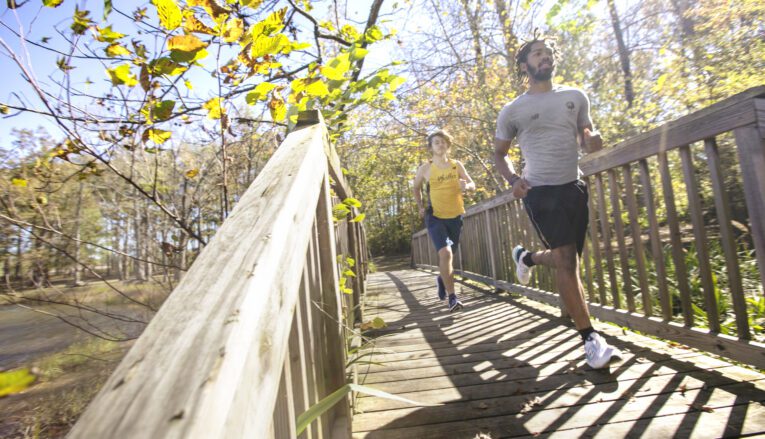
{"x": 68, "y": 381}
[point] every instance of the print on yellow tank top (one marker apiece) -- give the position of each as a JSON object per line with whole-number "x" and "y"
{"x": 444, "y": 190}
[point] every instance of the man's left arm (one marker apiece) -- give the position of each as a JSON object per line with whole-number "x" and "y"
{"x": 466, "y": 182}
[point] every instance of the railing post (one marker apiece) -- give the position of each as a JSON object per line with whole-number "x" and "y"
{"x": 751, "y": 151}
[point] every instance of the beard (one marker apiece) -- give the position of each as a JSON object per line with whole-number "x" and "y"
{"x": 540, "y": 75}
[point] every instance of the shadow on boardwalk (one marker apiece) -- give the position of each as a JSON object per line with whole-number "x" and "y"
{"x": 509, "y": 368}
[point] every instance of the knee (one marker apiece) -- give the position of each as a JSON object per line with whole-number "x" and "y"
{"x": 566, "y": 259}
{"x": 445, "y": 252}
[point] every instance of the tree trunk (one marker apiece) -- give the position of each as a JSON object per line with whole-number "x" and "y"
{"x": 509, "y": 38}
{"x": 77, "y": 278}
{"x": 19, "y": 254}
{"x": 624, "y": 54}
{"x": 474, "y": 22}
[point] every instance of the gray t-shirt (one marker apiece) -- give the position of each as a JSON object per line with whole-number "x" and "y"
{"x": 547, "y": 126}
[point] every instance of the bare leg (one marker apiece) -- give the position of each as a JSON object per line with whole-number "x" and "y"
{"x": 445, "y": 267}
{"x": 566, "y": 263}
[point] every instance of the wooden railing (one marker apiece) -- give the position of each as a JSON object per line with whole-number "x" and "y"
{"x": 255, "y": 332}
{"x": 668, "y": 253}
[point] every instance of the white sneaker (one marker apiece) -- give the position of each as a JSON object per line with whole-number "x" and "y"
{"x": 522, "y": 271}
{"x": 598, "y": 352}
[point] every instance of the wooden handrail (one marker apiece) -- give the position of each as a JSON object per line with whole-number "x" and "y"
{"x": 254, "y": 333}
{"x": 628, "y": 278}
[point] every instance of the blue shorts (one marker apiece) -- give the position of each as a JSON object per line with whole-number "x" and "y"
{"x": 444, "y": 232}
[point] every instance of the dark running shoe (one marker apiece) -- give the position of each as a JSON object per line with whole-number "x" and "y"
{"x": 441, "y": 288}
{"x": 454, "y": 303}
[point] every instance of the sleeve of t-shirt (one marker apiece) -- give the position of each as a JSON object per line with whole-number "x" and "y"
{"x": 506, "y": 130}
{"x": 584, "y": 119}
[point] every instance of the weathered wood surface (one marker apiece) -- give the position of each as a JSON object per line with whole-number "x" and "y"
{"x": 507, "y": 367}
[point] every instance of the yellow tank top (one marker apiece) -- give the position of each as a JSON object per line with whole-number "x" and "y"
{"x": 445, "y": 192}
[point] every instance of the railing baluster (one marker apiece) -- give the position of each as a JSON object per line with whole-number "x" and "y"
{"x": 606, "y": 230}
{"x": 699, "y": 233}
{"x": 678, "y": 254}
{"x": 722, "y": 206}
{"x": 614, "y": 191}
{"x": 595, "y": 241}
{"x": 656, "y": 247}
{"x": 637, "y": 240}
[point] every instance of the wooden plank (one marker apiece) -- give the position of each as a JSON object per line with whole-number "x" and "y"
{"x": 699, "y": 233}
{"x": 216, "y": 375}
{"x": 656, "y": 247}
{"x": 605, "y": 229}
{"x": 730, "y": 249}
{"x": 727, "y": 115}
{"x": 678, "y": 257}
{"x": 751, "y": 152}
{"x": 637, "y": 240}
{"x": 616, "y": 209}
{"x": 298, "y": 366}
{"x": 748, "y": 352}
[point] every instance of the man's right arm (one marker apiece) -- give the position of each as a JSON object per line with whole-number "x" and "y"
{"x": 502, "y": 162}
{"x": 418, "y": 180}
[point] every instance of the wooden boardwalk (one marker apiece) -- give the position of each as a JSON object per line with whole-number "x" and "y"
{"x": 509, "y": 367}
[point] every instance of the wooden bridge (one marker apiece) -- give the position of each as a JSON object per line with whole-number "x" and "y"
{"x": 260, "y": 330}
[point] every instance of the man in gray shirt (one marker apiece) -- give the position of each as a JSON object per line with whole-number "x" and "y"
{"x": 550, "y": 123}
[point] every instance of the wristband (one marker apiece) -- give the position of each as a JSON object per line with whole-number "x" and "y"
{"x": 513, "y": 179}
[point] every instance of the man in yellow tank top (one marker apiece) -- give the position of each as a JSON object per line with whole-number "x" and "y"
{"x": 444, "y": 179}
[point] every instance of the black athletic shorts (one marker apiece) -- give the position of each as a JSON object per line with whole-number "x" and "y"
{"x": 559, "y": 213}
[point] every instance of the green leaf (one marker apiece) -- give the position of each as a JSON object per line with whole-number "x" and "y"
{"x": 352, "y": 202}
{"x": 121, "y": 75}
{"x": 373, "y": 34}
{"x": 107, "y": 8}
{"x": 188, "y": 57}
{"x": 349, "y": 273}
{"x": 359, "y": 218}
{"x": 169, "y": 13}
{"x": 378, "y": 323}
{"x": 316, "y": 410}
{"x": 81, "y": 21}
{"x": 166, "y": 66}
{"x": 52, "y": 3}
{"x": 15, "y": 381}
{"x": 260, "y": 93}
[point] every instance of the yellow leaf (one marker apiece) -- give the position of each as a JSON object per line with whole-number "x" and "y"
{"x": 317, "y": 88}
{"x": 116, "y": 49}
{"x": 20, "y": 182}
{"x": 156, "y": 135}
{"x": 121, "y": 75}
{"x": 192, "y": 24}
{"x": 260, "y": 93}
{"x": 215, "y": 108}
{"x": 15, "y": 381}
{"x": 233, "y": 30}
{"x": 191, "y": 173}
{"x": 265, "y": 45}
{"x": 212, "y": 7}
{"x": 186, "y": 43}
{"x": 277, "y": 107}
{"x": 188, "y": 85}
{"x": 169, "y": 13}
